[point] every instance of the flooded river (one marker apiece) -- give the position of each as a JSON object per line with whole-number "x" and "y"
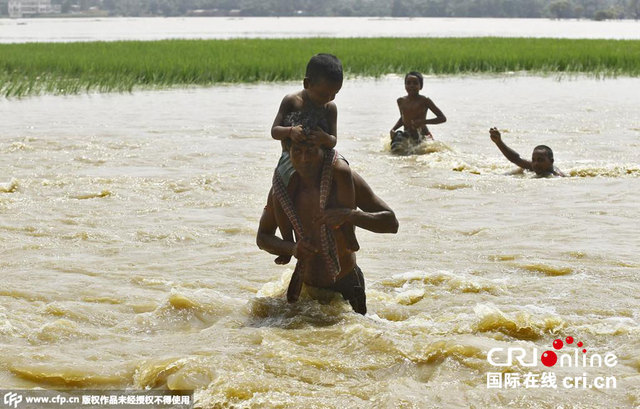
{"x": 128, "y": 256}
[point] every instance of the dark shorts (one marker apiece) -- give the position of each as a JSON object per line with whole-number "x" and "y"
{"x": 351, "y": 287}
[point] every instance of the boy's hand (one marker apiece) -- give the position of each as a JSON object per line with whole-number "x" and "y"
{"x": 297, "y": 134}
{"x": 282, "y": 260}
{"x": 392, "y": 133}
{"x": 494, "y": 134}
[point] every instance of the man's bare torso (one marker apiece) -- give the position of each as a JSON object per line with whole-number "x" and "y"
{"x": 306, "y": 201}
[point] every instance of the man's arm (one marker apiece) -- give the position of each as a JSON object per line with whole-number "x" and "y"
{"x": 509, "y": 153}
{"x": 345, "y": 190}
{"x": 345, "y": 199}
{"x": 267, "y": 240}
{"x": 373, "y": 213}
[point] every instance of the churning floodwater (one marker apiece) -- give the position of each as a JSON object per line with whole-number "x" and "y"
{"x": 128, "y": 256}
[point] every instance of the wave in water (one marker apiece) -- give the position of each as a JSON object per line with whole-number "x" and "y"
{"x": 520, "y": 325}
{"x": 10, "y": 187}
{"x": 422, "y": 148}
{"x": 610, "y": 171}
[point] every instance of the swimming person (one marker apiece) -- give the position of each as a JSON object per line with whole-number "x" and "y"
{"x": 413, "y": 113}
{"x": 541, "y": 157}
{"x": 314, "y": 212}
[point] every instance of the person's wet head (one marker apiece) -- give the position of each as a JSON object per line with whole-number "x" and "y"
{"x": 542, "y": 160}
{"x": 323, "y": 78}
{"x": 413, "y": 82}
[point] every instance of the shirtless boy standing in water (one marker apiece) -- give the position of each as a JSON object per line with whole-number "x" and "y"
{"x": 413, "y": 112}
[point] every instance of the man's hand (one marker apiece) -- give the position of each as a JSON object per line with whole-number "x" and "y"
{"x": 334, "y": 218}
{"x": 304, "y": 249}
{"x": 494, "y": 134}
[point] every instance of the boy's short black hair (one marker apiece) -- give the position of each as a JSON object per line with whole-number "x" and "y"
{"x": 324, "y": 67}
{"x": 415, "y": 74}
{"x": 546, "y": 149}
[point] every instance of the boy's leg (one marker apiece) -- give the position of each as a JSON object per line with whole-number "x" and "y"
{"x": 289, "y": 178}
{"x": 286, "y": 230}
{"x": 284, "y": 225}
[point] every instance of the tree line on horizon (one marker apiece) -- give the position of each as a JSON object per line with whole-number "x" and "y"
{"x": 561, "y": 9}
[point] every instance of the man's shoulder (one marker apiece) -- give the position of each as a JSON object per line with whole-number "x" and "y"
{"x": 341, "y": 168}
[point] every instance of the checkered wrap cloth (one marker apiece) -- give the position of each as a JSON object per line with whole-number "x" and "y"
{"x": 327, "y": 243}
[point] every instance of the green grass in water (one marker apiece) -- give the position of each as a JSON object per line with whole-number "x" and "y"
{"x": 71, "y": 68}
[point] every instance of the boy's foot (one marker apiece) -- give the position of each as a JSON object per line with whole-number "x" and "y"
{"x": 282, "y": 260}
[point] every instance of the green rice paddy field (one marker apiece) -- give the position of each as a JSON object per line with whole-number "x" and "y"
{"x": 69, "y": 68}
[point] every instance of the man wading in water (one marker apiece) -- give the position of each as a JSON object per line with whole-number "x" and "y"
{"x": 321, "y": 248}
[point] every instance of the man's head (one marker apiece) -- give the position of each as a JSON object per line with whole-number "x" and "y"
{"x": 323, "y": 78}
{"x": 413, "y": 82}
{"x": 542, "y": 160}
{"x": 306, "y": 157}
